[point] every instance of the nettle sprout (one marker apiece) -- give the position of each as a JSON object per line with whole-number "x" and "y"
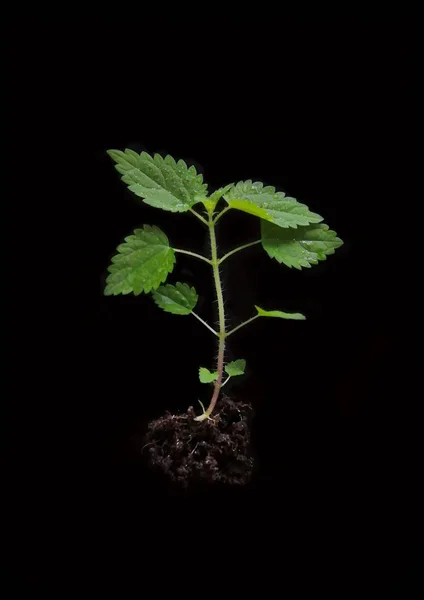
{"x": 289, "y": 232}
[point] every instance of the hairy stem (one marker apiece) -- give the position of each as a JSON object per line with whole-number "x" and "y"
{"x": 221, "y": 315}
{"x": 221, "y": 260}
{"x": 242, "y": 325}
{"x": 192, "y": 254}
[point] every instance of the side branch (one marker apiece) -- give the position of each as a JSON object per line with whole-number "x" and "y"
{"x": 221, "y": 260}
{"x": 196, "y": 214}
{"x": 242, "y": 325}
{"x": 222, "y": 213}
{"x": 204, "y": 323}
{"x": 192, "y": 254}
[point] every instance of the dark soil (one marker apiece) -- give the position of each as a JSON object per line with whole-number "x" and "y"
{"x": 210, "y": 451}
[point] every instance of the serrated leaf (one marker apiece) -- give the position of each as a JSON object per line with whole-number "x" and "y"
{"x": 214, "y": 198}
{"x": 236, "y": 367}
{"x": 178, "y": 299}
{"x": 206, "y": 376}
{"x": 142, "y": 263}
{"x": 301, "y": 247}
{"x": 161, "y": 182}
{"x": 280, "y": 314}
{"x": 272, "y": 206}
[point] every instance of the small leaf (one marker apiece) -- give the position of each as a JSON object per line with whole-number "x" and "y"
{"x": 161, "y": 182}
{"x": 279, "y": 314}
{"x": 178, "y": 299}
{"x": 301, "y": 247}
{"x": 206, "y": 376}
{"x": 236, "y": 367}
{"x": 142, "y": 263}
{"x": 272, "y": 206}
{"x": 214, "y": 198}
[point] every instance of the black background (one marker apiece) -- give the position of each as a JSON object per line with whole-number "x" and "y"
{"x": 323, "y": 110}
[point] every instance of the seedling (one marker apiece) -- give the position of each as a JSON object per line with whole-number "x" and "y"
{"x": 289, "y": 232}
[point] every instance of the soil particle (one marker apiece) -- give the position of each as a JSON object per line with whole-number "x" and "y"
{"x": 211, "y": 451}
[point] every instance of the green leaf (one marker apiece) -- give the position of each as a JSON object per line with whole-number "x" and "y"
{"x": 161, "y": 182}
{"x": 214, "y": 198}
{"x": 178, "y": 299}
{"x": 279, "y": 314}
{"x": 272, "y": 206}
{"x": 299, "y": 248}
{"x": 142, "y": 263}
{"x": 236, "y": 367}
{"x": 206, "y": 376}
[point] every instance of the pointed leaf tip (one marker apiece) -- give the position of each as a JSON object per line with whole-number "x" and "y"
{"x": 178, "y": 299}
{"x": 299, "y": 248}
{"x": 269, "y": 205}
{"x": 161, "y": 182}
{"x": 142, "y": 263}
{"x": 280, "y": 314}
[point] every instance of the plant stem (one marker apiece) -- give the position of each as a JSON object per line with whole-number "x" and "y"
{"x": 193, "y": 254}
{"x": 242, "y": 325}
{"x": 196, "y": 214}
{"x": 221, "y": 315}
{"x": 221, "y": 260}
{"x": 204, "y": 323}
{"x": 219, "y": 215}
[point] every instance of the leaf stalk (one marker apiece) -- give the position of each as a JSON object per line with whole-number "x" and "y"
{"x": 242, "y": 325}
{"x": 221, "y": 260}
{"x": 194, "y": 254}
